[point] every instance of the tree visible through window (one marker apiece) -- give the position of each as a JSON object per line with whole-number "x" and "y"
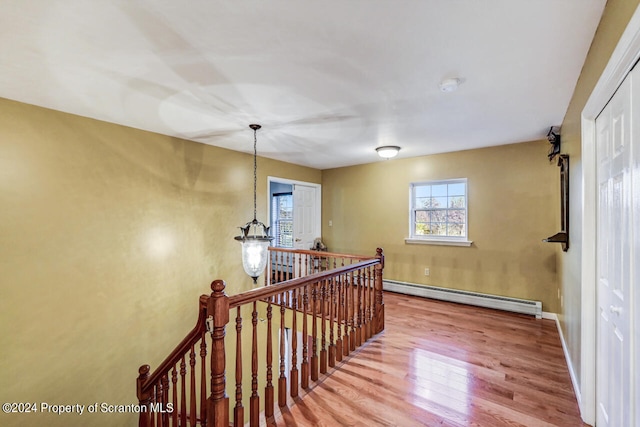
{"x": 439, "y": 209}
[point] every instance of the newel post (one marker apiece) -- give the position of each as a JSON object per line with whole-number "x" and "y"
{"x": 218, "y": 402}
{"x": 379, "y": 302}
{"x": 144, "y": 397}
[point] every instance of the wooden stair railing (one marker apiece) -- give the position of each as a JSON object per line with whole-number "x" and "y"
{"x": 333, "y": 312}
{"x": 157, "y": 407}
{"x": 287, "y": 264}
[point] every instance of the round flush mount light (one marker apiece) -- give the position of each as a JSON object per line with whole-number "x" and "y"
{"x": 388, "y": 151}
{"x": 450, "y": 85}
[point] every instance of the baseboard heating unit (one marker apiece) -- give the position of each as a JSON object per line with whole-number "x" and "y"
{"x": 516, "y": 305}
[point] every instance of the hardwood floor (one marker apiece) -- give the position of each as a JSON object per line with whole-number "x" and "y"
{"x": 445, "y": 364}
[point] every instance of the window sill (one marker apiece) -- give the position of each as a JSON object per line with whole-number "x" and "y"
{"x": 444, "y": 242}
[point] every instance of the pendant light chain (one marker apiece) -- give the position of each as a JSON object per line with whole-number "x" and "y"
{"x": 255, "y": 172}
{"x": 255, "y": 236}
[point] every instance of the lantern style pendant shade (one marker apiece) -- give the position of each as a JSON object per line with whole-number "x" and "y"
{"x": 255, "y": 241}
{"x": 255, "y": 236}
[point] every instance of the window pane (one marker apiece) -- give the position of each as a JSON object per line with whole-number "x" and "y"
{"x": 422, "y": 216}
{"x": 439, "y": 216}
{"x": 438, "y": 229}
{"x": 439, "y": 202}
{"x": 456, "y": 189}
{"x": 439, "y": 190}
{"x": 456, "y": 216}
{"x": 423, "y": 202}
{"x": 422, "y": 229}
{"x": 456, "y": 229}
{"x": 456, "y": 202}
{"x": 423, "y": 190}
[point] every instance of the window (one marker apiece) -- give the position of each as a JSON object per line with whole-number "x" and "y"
{"x": 439, "y": 212}
{"x": 282, "y": 219}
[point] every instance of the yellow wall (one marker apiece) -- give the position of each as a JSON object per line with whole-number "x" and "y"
{"x": 108, "y": 236}
{"x": 615, "y": 18}
{"x": 513, "y": 204}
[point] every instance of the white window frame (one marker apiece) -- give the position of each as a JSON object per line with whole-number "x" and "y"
{"x": 438, "y": 240}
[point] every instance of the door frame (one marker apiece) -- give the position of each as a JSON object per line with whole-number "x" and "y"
{"x": 624, "y": 57}
{"x": 318, "y": 201}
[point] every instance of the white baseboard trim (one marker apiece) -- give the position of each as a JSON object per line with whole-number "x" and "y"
{"x": 497, "y": 302}
{"x": 565, "y": 350}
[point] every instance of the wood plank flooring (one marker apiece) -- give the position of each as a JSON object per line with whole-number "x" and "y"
{"x": 445, "y": 364}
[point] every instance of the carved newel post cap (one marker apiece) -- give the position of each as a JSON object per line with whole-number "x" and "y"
{"x": 218, "y": 286}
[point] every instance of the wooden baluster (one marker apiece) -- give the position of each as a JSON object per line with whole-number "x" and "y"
{"x": 323, "y": 326}
{"x": 192, "y": 390}
{"x": 174, "y": 396}
{"x": 238, "y": 410}
{"x": 365, "y": 293}
{"x": 339, "y": 317}
{"x": 288, "y": 266}
{"x": 296, "y": 266}
{"x": 254, "y": 401}
{"x": 218, "y": 404}
{"x": 346, "y": 346}
{"x": 363, "y": 304}
{"x": 370, "y": 305}
{"x": 307, "y": 265}
{"x": 174, "y": 381}
{"x": 282, "y": 380}
{"x": 268, "y": 391}
{"x": 352, "y": 312}
{"x": 165, "y": 400}
{"x": 203, "y": 382}
{"x": 304, "y": 366}
{"x": 370, "y": 287}
{"x": 275, "y": 266}
{"x": 144, "y": 398}
{"x": 359, "y": 311}
{"x": 379, "y": 302}
{"x": 372, "y": 302}
{"x": 314, "y": 332}
{"x": 158, "y": 400}
{"x": 332, "y": 322}
{"x": 294, "y": 344}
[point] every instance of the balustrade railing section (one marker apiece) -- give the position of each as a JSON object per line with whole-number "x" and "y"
{"x": 316, "y": 309}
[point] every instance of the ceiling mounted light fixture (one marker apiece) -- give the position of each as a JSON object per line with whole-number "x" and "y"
{"x": 255, "y": 236}
{"x": 388, "y": 151}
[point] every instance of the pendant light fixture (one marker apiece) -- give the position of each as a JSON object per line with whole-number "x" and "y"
{"x": 255, "y": 236}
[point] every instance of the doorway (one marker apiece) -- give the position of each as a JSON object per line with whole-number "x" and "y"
{"x": 295, "y": 212}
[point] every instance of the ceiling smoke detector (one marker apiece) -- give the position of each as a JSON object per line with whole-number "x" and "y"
{"x": 450, "y": 85}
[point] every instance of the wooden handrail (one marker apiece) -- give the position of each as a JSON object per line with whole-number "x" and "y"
{"x": 182, "y": 348}
{"x": 319, "y": 253}
{"x": 260, "y": 294}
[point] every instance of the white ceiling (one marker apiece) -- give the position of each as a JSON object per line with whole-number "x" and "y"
{"x": 329, "y": 80}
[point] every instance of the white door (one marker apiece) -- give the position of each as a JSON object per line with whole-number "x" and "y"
{"x": 305, "y": 216}
{"x": 635, "y": 223}
{"x": 614, "y": 253}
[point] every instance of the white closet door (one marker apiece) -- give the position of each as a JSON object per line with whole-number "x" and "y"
{"x": 614, "y": 269}
{"x": 635, "y": 221}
